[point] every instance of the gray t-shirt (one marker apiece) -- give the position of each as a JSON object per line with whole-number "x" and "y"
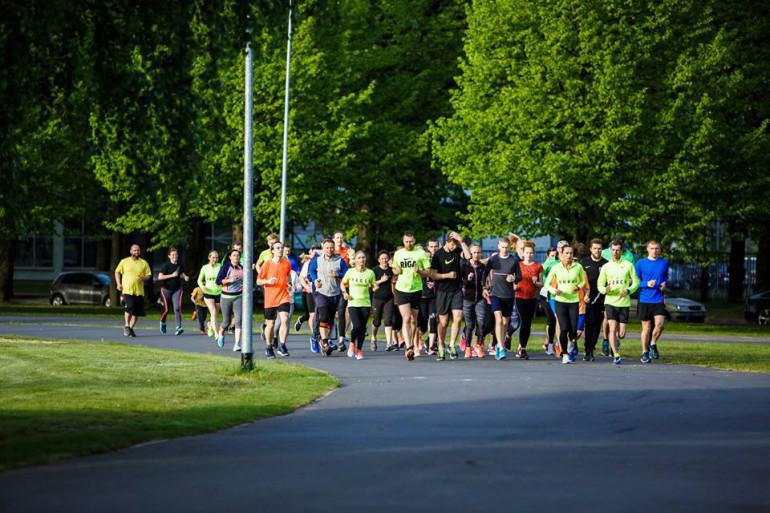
{"x": 497, "y": 272}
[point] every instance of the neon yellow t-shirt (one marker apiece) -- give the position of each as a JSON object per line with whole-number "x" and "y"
{"x": 410, "y": 262}
{"x": 130, "y": 273}
{"x": 359, "y": 284}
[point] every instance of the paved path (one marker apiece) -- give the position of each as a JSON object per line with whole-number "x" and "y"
{"x": 455, "y": 436}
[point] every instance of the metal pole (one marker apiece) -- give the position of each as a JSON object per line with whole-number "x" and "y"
{"x": 285, "y": 163}
{"x": 247, "y": 350}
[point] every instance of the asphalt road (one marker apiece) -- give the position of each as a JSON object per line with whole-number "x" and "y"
{"x": 425, "y": 436}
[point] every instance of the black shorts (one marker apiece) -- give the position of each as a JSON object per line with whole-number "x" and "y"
{"x": 134, "y": 305}
{"x": 215, "y": 297}
{"x": 309, "y": 302}
{"x": 271, "y": 314}
{"x": 409, "y": 298}
{"x": 504, "y": 305}
{"x": 648, "y": 311}
{"x": 617, "y": 313}
{"x": 448, "y": 301}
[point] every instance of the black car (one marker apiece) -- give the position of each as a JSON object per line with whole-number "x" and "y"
{"x": 758, "y": 308}
{"x": 80, "y": 288}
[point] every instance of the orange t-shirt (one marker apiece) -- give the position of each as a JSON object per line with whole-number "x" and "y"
{"x": 344, "y": 253}
{"x": 526, "y": 288}
{"x": 277, "y": 293}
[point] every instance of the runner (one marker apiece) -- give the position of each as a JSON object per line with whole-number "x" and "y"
{"x": 626, "y": 254}
{"x": 445, "y": 270}
{"x": 526, "y": 295}
{"x": 653, "y": 278}
{"x": 475, "y": 308}
{"x": 130, "y": 275}
{"x": 212, "y": 291}
{"x": 550, "y": 315}
{"x": 617, "y": 281}
{"x": 307, "y": 300}
{"x": 343, "y": 318}
{"x": 231, "y": 279}
{"x": 201, "y": 310}
{"x": 357, "y": 284}
{"x": 410, "y": 265}
{"x": 275, "y": 277}
{"x": 606, "y": 254}
{"x": 382, "y": 302}
{"x": 594, "y": 300}
{"x": 325, "y": 272}
{"x": 171, "y": 274}
{"x": 427, "y": 319}
{"x": 563, "y": 282}
{"x": 503, "y": 275}
{"x": 266, "y": 254}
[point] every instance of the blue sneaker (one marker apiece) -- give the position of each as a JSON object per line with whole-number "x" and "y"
{"x": 221, "y": 341}
{"x": 269, "y": 353}
{"x": 163, "y": 327}
{"x": 333, "y": 345}
{"x": 617, "y": 361}
{"x": 606, "y": 347}
{"x": 645, "y": 358}
{"x": 314, "y": 347}
{"x": 500, "y": 353}
{"x": 654, "y": 354}
{"x": 572, "y": 357}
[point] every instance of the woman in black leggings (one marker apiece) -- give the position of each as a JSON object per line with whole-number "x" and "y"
{"x": 526, "y": 296}
{"x": 564, "y": 281}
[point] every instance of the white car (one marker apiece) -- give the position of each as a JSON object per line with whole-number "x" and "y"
{"x": 683, "y": 309}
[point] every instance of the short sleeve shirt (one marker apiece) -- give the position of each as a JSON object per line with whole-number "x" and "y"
{"x": 276, "y": 293}
{"x": 172, "y": 284}
{"x": 383, "y": 290}
{"x": 526, "y": 288}
{"x": 410, "y": 262}
{"x": 359, "y": 284}
{"x": 131, "y": 271}
{"x": 446, "y": 262}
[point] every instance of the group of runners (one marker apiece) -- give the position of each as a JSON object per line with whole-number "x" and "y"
{"x": 443, "y": 300}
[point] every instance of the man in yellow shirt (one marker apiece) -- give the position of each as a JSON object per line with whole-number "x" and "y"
{"x": 130, "y": 275}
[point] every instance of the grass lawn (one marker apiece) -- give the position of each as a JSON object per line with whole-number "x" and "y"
{"x": 67, "y": 398}
{"x": 740, "y": 357}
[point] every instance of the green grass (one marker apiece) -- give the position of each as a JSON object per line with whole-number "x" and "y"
{"x": 687, "y": 328}
{"x": 739, "y": 357}
{"x": 61, "y": 399}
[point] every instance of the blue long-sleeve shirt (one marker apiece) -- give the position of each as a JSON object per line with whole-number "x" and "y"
{"x": 648, "y": 270}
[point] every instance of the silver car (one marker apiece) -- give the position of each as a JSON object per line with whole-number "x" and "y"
{"x": 683, "y": 309}
{"x": 80, "y": 288}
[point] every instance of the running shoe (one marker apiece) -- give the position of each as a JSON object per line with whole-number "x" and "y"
{"x": 463, "y": 343}
{"x": 402, "y": 345}
{"x": 440, "y": 357}
{"x": 298, "y": 325}
{"x": 221, "y": 341}
{"x": 178, "y": 331}
{"x": 202, "y": 332}
{"x": 606, "y": 347}
{"x": 236, "y": 347}
{"x": 432, "y": 350}
{"x": 617, "y": 360}
{"x": 588, "y": 356}
{"x": 314, "y": 347}
{"x": 572, "y": 349}
{"x": 565, "y": 359}
{"x": 557, "y": 350}
{"x": 269, "y": 353}
{"x": 478, "y": 349}
{"x": 343, "y": 345}
{"x": 327, "y": 348}
{"x": 492, "y": 351}
{"x": 500, "y": 353}
{"x": 572, "y": 358}
{"x": 360, "y": 354}
{"x": 126, "y": 331}
{"x": 468, "y": 352}
{"x": 351, "y": 351}
{"x": 373, "y": 345}
{"x": 163, "y": 327}
{"x": 452, "y": 353}
{"x": 654, "y": 354}
{"x": 131, "y": 332}
{"x": 523, "y": 354}
{"x": 283, "y": 350}
{"x": 549, "y": 350}
{"x": 410, "y": 354}
{"x": 391, "y": 347}
{"x": 333, "y": 345}
{"x": 645, "y": 357}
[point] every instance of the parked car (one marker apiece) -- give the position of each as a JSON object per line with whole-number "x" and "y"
{"x": 758, "y": 308}
{"x": 683, "y": 309}
{"x": 80, "y": 288}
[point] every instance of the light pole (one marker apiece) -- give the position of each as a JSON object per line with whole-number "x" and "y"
{"x": 247, "y": 350}
{"x": 285, "y": 162}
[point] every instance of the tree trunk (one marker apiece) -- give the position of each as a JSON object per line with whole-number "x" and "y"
{"x": 7, "y": 257}
{"x": 114, "y": 259}
{"x": 704, "y": 284}
{"x": 737, "y": 269}
{"x": 763, "y": 263}
{"x": 103, "y": 255}
{"x": 237, "y": 234}
{"x": 363, "y": 243}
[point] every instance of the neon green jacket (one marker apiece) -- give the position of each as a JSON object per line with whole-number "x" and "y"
{"x": 619, "y": 276}
{"x": 568, "y": 281}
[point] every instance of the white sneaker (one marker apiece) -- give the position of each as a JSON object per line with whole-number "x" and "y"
{"x": 565, "y": 359}
{"x": 549, "y": 351}
{"x": 351, "y": 350}
{"x": 236, "y": 347}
